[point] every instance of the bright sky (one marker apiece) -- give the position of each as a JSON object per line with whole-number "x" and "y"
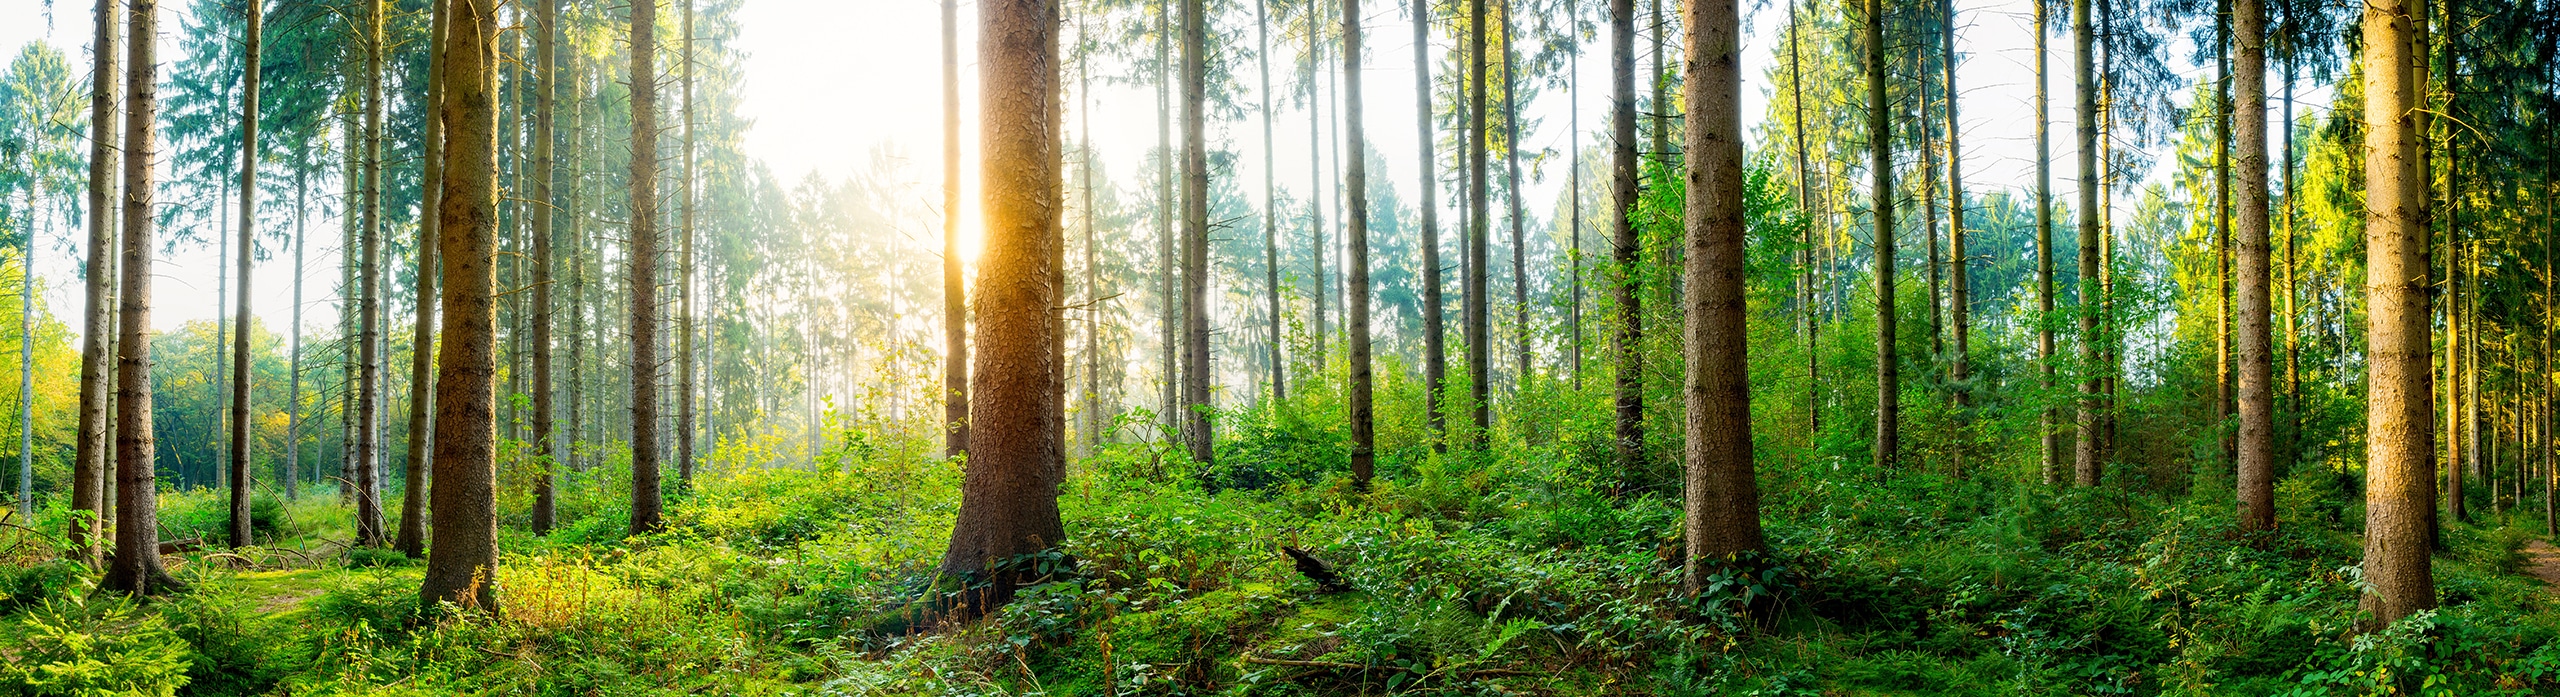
{"x": 828, "y": 81}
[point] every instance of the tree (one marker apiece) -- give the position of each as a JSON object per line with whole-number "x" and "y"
{"x": 137, "y": 563}
{"x": 2257, "y": 390}
{"x": 955, "y": 303}
{"x": 1195, "y": 233}
{"x": 368, "y": 397}
{"x": 1880, "y": 147}
{"x": 1009, "y": 493}
{"x": 1960, "y": 284}
{"x": 642, "y": 289}
{"x": 2049, "y": 432}
{"x": 1477, "y": 310}
{"x": 413, "y": 498}
{"x": 1628, "y": 339}
{"x": 1270, "y": 209}
{"x": 1723, "y": 495}
{"x": 1364, "y": 428}
{"x": 462, "y": 567}
{"x": 89, "y": 463}
{"x": 240, "y": 535}
{"x": 546, "y": 183}
{"x": 1511, "y": 192}
{"x": 2399, "y": 440}
{"x": 2088, "y": 455}
{"x": 1435, "y": 333}
{"x": 685, "y": 381}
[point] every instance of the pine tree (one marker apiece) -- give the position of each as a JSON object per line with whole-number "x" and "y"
{"x": 2400, "y": 486}
{"x": 462, "y": 566}
{"x": 1722, "y": 492}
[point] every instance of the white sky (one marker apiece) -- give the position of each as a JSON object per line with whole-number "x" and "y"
{"x": 829, "y": 80}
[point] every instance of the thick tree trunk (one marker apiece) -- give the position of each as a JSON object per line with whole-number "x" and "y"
{"x": 413, "y": 500}
{"x": 2048, "y": 429}
{"x": 463, "y": 565}
{"x": 89, "y": 461}
{"x": 137, "y": 562}
{"x": 2400, "y": 489}
{"x": 1628, "y": 338}
{"x": 1880, "y": 147}
{"x": 546, "y": 183}
{"x": 1435, "y": 333}
{"x": 1478, "y": 307}
{"x": 1723, "y": 494}
{"x": 1195, "y": 233}
{"x": 1364, "y": 429}
{"x": 241, "y": 535}
{"x": 2257, "y": 388}
{"x": 1009, "y": 495}
{"x": 643, "y": 269}
{"x": 955, "y": 302}
{"x": 369, "y": 388}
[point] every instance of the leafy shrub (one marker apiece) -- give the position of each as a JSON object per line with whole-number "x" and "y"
{"x": 77, "y": 648}
{"x": 24, "y": 586}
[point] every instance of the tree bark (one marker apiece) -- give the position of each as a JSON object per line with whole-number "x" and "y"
{"x": 1880, "y": 147}
{"x": 413, "y": 500}
{"x": 1960, "y": 284}
{"x": 546, "y": 174}
{"x": 1723, "y": 495}
{"x": 241, "y": 535}
{"x": 369, "y": 301}
{"x": 89, "y": 461}
{"x": 1364, "y": 429}
{"x": 2400, "y": 488}
{"x": 137, "y": 567}
{"x": 293, "y": 360}
{"x": 1478, "y": 307}
{"x": 2049, "y": 432}
{"x": 2088, "y": 461}
{"x": 687, "y": 382}
{"x": 2257, "y": 388}
{"x": 1435, "y": 333}
{"x": 462, "y": 567}
{"x": 1195, "y": 234}
{"x": 1511, "y": 191}
{"x": 955, "y": 303}
{"x": 1628, "y": 339}
{"x": 1009, "y": 494}
{"x": 1270, "y": 211}
{"x": 643, "y": 269}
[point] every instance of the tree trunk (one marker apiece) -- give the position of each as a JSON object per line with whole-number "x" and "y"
{"x": 463, "y": 564}
{"x": 1479, "y": 315}
{"x": 1167, "y": 203}
{"x": 137, "y": 563}
{"x": 546, "y": 173}
{"x": 2226, "y": 400}
{"x": 1095, "y": 420}
{"x": 1195, "y": 234}
{"x": 1511, "y": 190}
{"x": 293, "y": 360}
{"x": 1628, "y": 342}
{"x": 686, "y": 381}
{"x": 369, "y": 301}
{"x": 2257, "y": 388}
{"x": 2400, "y": 489}
{"x": 955, "y": 303}
{"x": 240, "y": 419}
{"x": 413, "y": 499}
{"x": 1809, "y": 301}
{"x": 1270, "y": 213}
{"x": 1723, "y": 494}
{"x": 1435, "y": 333}
{"x": 1960, "y": 284}
{"x": 1364, "y": 430}
{"x": 643, "y": 269}
{"x": 2048, "y": 430}
{"x": 1880, "y": 147}
{"x": 89, "y": 463}
{"x": 1009, "y": 495}
{"x": 2088, "y": 461}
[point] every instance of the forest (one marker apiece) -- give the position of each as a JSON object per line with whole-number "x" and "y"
{"x": 1280, "y": 347}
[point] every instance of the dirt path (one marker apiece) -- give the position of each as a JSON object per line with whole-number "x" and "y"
{"x": 2543, "y": 561}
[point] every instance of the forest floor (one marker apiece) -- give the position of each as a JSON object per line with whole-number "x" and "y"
{"x": 2543, "y": 562}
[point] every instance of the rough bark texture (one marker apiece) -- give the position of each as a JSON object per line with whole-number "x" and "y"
{"x": 413, "y": 499}
{"x": 2088, "y": 457}
{"x": 955, "y": 301}
{"x": 89, "y": 464}
{"x": 1723, "y": 495}
{"x": 462, "y": 567}
{"x": 368, "y": 450}
{"x": 1880, "y": 148}
{"x": 546, "y": 185}
{"x": 1355, "y": 182}
{"x": 1009, "y": 494}
{"x": 1435, "y": 333}
{"x": 2399, "y": 431}
{"x": 685, "y": 370}
{"x": 1478, "y": 310}
{"x": 643, "y": 268}
{"x": 137, "y": 562}
{"x": 239, "y": 445}
{"x": 2049, "y": 438}
{"x": 1195, "y": 233}
{"x": 1628, "y": 338}
{"x": 2257, "y": 387}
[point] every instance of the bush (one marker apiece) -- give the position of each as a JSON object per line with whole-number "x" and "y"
{"x": 76, "y": 648}
{"x": 26, "y": 586}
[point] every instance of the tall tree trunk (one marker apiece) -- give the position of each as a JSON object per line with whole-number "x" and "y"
{"x": 1880, "y": 148}
{"x": 89, "y": 461}
{"x": 1511, "y": 190}
{"x": 137, "y": 562}
{"x": 293, "y": 359}
{"x": 1270, "y": 211}
{"x": 1573, "y": 189}
{"x": 1479, "y": 315}
{"x": 2423, "y": 120}
{"x": 2048, "y": 428}
{"x": 369, "y": 388}
{"x": 221, "y": 469}
{"x": 1960, "y": 290}
{"x": 1628, "y": 339}
{"x": 2292, "y": 270}
{"x": 2400, "y": 490}
{"x": 1809, "y": 302}
{"x": 463, "y": 564}
{"x": 1009, "y": 495}
{"x": 1722, "y": 492}
{"x": 687, "y": 383}
{"x": 1094, "y": 418}
{"x": 413, "y": 500}
{"x": 241, "y": 536}
{"x": 2225, "y": 400}
{"x": 350, "y": 267}
{"x": 546, "y": 183}
{"x": 2257, "y": 388}
{"x": 643, "y": 268}
{"x": 1364, "y": 430}
{"x": 955, "y": 303}
{"x": 2088, "y": 461}
{"x": 1195, "y": 233}
{"x": 1435, "y": 335}
{"x": 1167, "y": 203}
{"x": 1926, "y": 142}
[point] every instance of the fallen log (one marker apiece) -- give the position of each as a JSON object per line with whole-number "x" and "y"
{"x": 1316, "y": 570}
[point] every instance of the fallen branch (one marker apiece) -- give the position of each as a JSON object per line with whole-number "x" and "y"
{"x": 1316, "y": 570}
